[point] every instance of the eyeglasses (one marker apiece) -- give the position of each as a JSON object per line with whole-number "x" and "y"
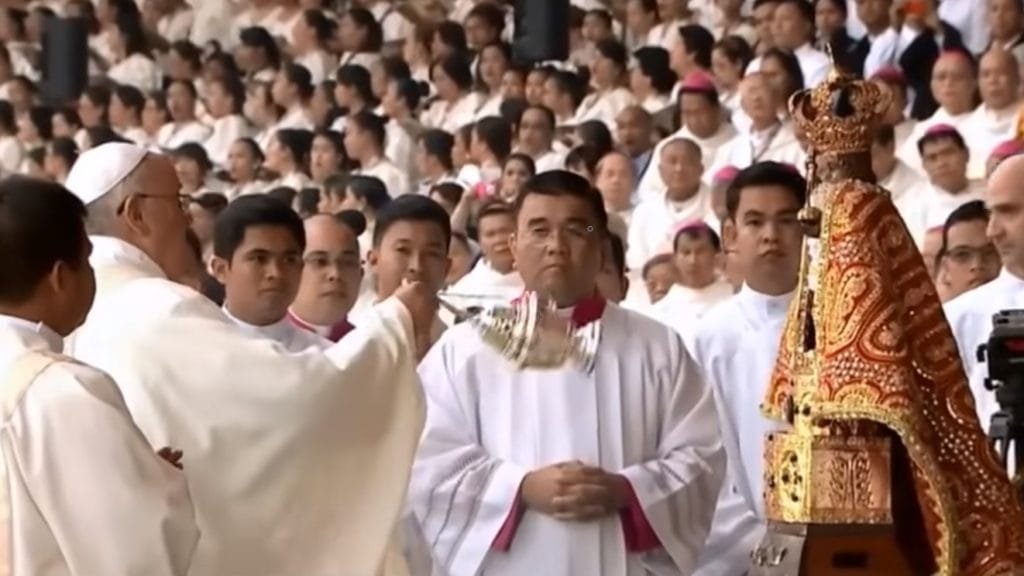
{"x": 183, "y": 200}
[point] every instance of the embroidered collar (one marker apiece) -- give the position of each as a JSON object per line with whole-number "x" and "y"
{"x": 586, "y": 310}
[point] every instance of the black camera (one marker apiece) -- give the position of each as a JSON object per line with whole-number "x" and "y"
{"x": 1004, "y": 354}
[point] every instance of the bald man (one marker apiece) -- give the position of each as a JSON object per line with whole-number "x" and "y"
{"x": 970, "y": 315}
{"x": 994, "y": 121}
{"x": 331, "y": 273}
{"x": 953, "y": 84}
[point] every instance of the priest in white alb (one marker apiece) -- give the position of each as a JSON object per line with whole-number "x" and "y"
{"x": 970, "y": 314}
{"x": 564, "y": 471}
{"x": 297, "y": 463}
{"x": 736, "y": 347}
{"x": 81, "y": 491}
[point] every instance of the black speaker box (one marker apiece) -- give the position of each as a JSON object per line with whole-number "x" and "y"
{"x": 65, "y": 62}
{"x": 541, "y": 32}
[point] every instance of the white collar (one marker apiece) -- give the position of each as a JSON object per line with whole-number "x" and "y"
{"x": 318, "y": 329}
{"x": 108, "y": 250}
{"x": 762, "y": 307}
{"x": 278, "y": 331}
{"x": 1010, "y": 280}
{"x": 35, "y": 331}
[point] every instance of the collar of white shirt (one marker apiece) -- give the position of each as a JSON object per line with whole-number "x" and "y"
{"x": 1011, "y": 281}
{"x": 278, "y": 331}
{"x": 34, "y": 331}
{"x": 763, "y": 307}
{"x": 110, "y": 250}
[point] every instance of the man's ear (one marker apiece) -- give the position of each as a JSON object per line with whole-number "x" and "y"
{"x": 372, "y": 260}
{"x": 220, "y": 267}
{"x": 728, "y": 235}
{"x": 513, "y": 242}
{"x": 132, "y": 216}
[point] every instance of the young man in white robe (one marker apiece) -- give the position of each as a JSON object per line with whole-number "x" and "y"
{"x": 410, "y": 244}
{"x": 970, "y": 315}
{"x": 77, "y": 467}
{"x": 494, "y": 279}
{"x": 257, "y": 256}
{"x": 332, "y": 272}
{"x": 561, "y": 471}
{"x": 270, "y": 438}
{"x": 736, "y": 346}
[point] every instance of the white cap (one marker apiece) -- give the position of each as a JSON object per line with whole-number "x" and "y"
{"x": 98, "y": 170}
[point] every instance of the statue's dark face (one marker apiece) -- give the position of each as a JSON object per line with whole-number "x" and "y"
{"x": 842, "y": 103}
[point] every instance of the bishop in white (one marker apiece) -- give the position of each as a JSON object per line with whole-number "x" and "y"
{"x": 565, "y": 472}
{"x": 297, "y": 463}
{"x": 81, "y": 491}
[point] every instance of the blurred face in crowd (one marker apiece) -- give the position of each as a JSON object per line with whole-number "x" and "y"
{"x": 970, "y": 259}
{"x": 699, "y": 114}
{"x": 321, "y": 104}
{"x": 279, "y": 159}
{"x": 727, "y": 73}
{"x": 90, "y": 113}
{"x": 638, "y": 20}
{"x": 660, "y": 278}
{"x": 945, "y": 162}
{"x": 595, "y": 28}
{"x": 218, "y": 102}
{"x": 460, "y": 151}
{"x": 758, "y": 100}
{"x": 633, "y": 130}
{"x": 778, "y": 78}
{"x": 154, "y": 116}
{"x": 828, "y": 19}
{"x": 874, "y": 13}
{"x": 61, "y": 127}
{"x": 883, "y": 158}
{"x": 447, "y": 89}
{"x": 202, "y": 222}
{"x": 668, "y": 9}
{"x": 492, "y": 66}
{"x": 1004, "y": 19}
{"x": 998, "y": 79}
{"x": 766, "y": 237}
{"x": 535, "y": 131}
{"x": 513, "y": 85}
{"x": 614, "y": 179}
{"x": 607, "y": 73}
{"x": 696, "y": 258}
{"x": 262, "y": 277}
{"x": 189, "y": 173}
{"x": 242, "y": 164}
{"x": 789, "y": 29}
{"x": 930, "y": 249}
{"x": 350, "y": 35}
{"x": 356, "y": 141}
{"x": 410, "y": 250}
{"x": 1004, "y": 199}
{"x": 180, "y": 103}
{"x": 495, "y": 231}
{"x": 324, "y": 158}
{"x": 681, "y": 169}
{"x": 680, "y": 59}
{"x": 479, "y": 33}
{"x": 612, "y": 283}
{"x": 764, "y": 16}
{"x": 535, "y": 82}
{"x": 953, "y": 83}
{"x": 331, "y": 272}
{"x": 513, "y": 176}
{"x": 461, "y": 261}
{"x": 282, "y": 91}
{"x": 558, "y": 246}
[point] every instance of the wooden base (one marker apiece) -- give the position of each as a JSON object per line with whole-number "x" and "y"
{"x": 831, "y": 550}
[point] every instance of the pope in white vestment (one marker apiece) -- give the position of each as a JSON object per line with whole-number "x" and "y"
{"x": 297, "y": 463}
{"x": 644, "y": 413}
{"x": 62, "y": 439}
{"x": 736, "y": 346}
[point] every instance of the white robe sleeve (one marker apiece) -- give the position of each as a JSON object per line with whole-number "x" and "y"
{"x": 460, "y": 494}
{"x": 112, "y": 505}
{"x": 677, "y": 487}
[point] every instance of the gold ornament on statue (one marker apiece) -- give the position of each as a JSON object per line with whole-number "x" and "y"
{"x": 530, "y": 333}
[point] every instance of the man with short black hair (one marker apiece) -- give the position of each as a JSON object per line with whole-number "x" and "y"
{"x": 967, "y": 258}
{"x": 257, "y": 256}
{"x": 66, "y": 429}
{"x": 564, "y": 471}
{"x": 364, "y": 142}
{"x": 494, "y": 278}
{"x": 737, "y": 343}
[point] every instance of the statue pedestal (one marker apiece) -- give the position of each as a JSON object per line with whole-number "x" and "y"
{"x": 830, "y": 550}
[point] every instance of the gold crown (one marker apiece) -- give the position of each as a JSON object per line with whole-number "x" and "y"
{"x": 841, "y": 114}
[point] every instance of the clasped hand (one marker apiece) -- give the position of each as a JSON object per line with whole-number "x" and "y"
{"x": 573, "y": 491}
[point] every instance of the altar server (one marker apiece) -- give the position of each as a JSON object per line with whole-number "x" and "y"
{"x": 271, "y": 439}
{"x": 257, "y": 256}
{"x": 559, "y": 471}
{"x": 970, "y": 315}
{"x": 76, "y": 465}
{"x": 736, "y": 346}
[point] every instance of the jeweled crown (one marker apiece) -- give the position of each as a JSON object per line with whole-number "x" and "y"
{"x": 841, "y": 114}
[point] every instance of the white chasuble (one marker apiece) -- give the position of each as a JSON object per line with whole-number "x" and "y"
{"x": 737, "y": 343}
{"x": 970, "y": 317}
{"x": 85, "y": 493}
{"x": 297, "y": 463}
{"x": 644, "y": 413}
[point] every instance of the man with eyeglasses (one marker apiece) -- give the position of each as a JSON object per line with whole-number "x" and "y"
{"x": 279, "y": 448}
{"x": 331, "y": 274}
{"x": 967, "y": 258}
{"x": 562, "y": 471}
